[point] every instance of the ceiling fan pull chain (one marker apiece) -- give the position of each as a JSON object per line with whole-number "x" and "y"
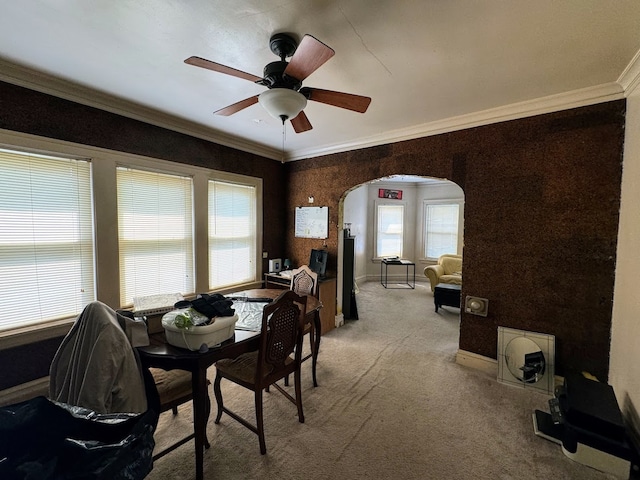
{"x": 284, "y": 133}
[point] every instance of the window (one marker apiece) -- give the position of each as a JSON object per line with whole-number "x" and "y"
{"x": 441, "y": 228}
{"x": 46, "y": 238}
{"x": 389, "y": 230}
{"x": 232, "y": 234}
{"x": 155, "y": 234}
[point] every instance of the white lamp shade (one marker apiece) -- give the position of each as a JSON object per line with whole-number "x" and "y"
{"x": 282, "y": 103}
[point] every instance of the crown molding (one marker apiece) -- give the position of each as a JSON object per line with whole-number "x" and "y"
{"x": 41, "y": 82}
{"x": 552, "y": 103}
{"x": 32, "y": 79}
{"x": 630, "y": 77}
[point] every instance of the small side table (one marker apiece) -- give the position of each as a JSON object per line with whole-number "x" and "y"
{"x": 384, "y": 265}
{"x": 446, "y": 294}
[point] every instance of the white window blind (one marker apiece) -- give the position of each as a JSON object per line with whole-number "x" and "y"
{"x": 441, "y": 229}
{"x": 155, "y": 234}
{"x": 390, "y": 230}
{"x": 46, "y": 238}
{"x": 232, "y": 234}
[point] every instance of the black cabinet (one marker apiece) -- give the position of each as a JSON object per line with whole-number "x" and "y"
{"x": 349, "y": 307}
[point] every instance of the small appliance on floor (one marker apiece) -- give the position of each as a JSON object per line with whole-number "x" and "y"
{"x": 586, "y": 421}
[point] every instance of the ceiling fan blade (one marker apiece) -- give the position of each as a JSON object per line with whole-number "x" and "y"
{"x": 236, "y": 107}
{"x": 217, "y": 67}
{"x": 309, "y": 56}
{"x": 357, "y": 103}
{"x": 301, "y": 123}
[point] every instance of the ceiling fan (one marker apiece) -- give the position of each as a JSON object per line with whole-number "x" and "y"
{"x": 286, "y": 98}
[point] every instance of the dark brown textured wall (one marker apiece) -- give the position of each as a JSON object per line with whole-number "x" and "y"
{"x": 27, "y": 111}
{"x": 541, "y": 208}
{"x": 542, "y": 196}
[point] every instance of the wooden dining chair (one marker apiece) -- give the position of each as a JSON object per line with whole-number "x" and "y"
{"x": 173, "y": 388}
{"x": 304, "y": 281}
{"x": 280, "y": 337}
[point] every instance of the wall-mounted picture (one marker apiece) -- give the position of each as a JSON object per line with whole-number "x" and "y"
{"x": 395, "y": 194}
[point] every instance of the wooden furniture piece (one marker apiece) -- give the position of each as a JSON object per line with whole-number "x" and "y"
{"x": 281, "y": 335}
{"x": 349, "y": 305}
{"x": 304, "y": 281}
{"x": 321, "y": 318}
{"x": 326, "y": 294}
{"x": 446, "y": 294}
{"x": 384, "y": 265}
{"x": 174, "y": 389}
{"x": 160, "y": 354}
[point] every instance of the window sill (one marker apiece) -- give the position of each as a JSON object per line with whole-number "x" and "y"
{"x": 17, "y": 337}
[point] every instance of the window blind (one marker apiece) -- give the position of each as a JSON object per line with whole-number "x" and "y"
{"x": 155, "y": 234}
{"x": 232, "y": 234}
{"x": 390, "y": 230}
{"x": 441, "y": 223}
{"x": 46, "y": 238}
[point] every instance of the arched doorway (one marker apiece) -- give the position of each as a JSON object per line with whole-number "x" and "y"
{"x": 357, "y": 213}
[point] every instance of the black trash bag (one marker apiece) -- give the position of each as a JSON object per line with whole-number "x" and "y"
{"x": 41, "y": 439}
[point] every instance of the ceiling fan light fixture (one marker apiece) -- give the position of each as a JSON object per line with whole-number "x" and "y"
{"x": 282, "y": 103}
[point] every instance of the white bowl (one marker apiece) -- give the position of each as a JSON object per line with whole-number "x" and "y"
{"x": 194, "y": 337}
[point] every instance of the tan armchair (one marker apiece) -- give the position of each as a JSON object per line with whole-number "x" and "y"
{"x": 447, "y": 270}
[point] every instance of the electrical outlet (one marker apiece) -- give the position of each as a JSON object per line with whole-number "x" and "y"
{"x": 265, "y": 254}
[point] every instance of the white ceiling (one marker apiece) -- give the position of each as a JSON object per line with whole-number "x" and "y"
{"x": 428, "y": 65}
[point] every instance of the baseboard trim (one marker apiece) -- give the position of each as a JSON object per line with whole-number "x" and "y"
{"x": 479, "y": 362}
{"x": 25, "y": 391}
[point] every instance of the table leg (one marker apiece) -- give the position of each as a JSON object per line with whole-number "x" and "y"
{"x": 318, "y": 332}
{"x": 200, "y": 416}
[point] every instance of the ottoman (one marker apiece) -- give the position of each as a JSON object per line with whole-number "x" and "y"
{"x": 446, "y": 294}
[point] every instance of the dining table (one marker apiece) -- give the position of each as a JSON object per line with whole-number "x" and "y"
{"x": 160, "y": 354}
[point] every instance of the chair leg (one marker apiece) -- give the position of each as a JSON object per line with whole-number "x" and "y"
{"x": 174, "y": 410}
{"x": 314, "y": 357}
{"x": 298, "y": 387}
{"x": 314, "y": 353}
{"x": 260, "y": 422}
{"x": 208, "y": 411}
{"x": 218, "y": 394}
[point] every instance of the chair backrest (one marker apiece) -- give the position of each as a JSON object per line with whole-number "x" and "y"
{"x": 96, "y": 366}
{"x": 451, "y": 263}
{"x": 304, "y": 281}
{"x": 282, "y": 331}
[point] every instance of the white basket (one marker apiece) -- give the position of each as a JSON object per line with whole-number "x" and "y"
{"x": 193, "y": 338}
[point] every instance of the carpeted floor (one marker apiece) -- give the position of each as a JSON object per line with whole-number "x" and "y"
{"x": 391, "y": 404}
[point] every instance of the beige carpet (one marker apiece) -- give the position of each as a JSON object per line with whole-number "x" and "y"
{"x": 391, "y": 404}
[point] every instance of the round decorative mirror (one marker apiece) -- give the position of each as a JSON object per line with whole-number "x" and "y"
{"x": 525, "y": 360}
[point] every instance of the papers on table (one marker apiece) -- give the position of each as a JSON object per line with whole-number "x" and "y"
{"x": 249, "y": 315}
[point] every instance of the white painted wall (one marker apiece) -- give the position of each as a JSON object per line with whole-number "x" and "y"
{"x": 355, "y": 212}
{"x": 624, "y": 369}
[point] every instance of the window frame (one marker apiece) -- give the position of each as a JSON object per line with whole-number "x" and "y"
{"x": 83, "y": 221}
{"x": 452, "y": 201}
{"x": 256, "y": 262}
{"x": 191, "y": 267}
{"x": 393, "y": 203}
